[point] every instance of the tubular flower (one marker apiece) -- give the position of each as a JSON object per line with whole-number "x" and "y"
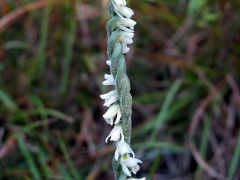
{"x": 125, "y": 11}
{"x": 123, "y": 148}
{"x": 129, "y": 164}
{"x": 120, "y": 34}
{"x": 115, "y": 134}
{"x": 109, "y": 80}
{"x": 109, "y": 98}
{"x": 111, "y": 113}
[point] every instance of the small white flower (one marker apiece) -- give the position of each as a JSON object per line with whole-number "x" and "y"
{"x": 108, "y": 62}
{"x": 125, "y": 11}
{"x": 126, "y": 40}
{"x": 111, "y": 113}
{"x": 115, "y": 134}
{"x": 127, "y": 22}
{"x": 123, "y": 28}
{"x": 109, "y": 98}
{"x": 120, "y": 2}
{"x": 136, "y": 178}
{"x": 109, "y": 80}
{"x": 110, "y": 101}
{"x": 129, "y": 35}
{"x": 129, "y": 164}
{"x": 123, "y": 148}
{"x": 108, "y": 95}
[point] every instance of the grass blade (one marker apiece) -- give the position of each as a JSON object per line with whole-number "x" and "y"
{"x": 68, "y": 50}
{"x": 7, "y": 101}
{"x": 154, "y": 165}
{"x": 203, "y": 144}
{"x": 41, "y": 56}
{"x": 235, "y": 159}
{"x": 165, "y": 108}
{"x": 43, "y": 162}
{"x": 72, "y": 169}
{"x": 64, "y": 173}
{"x": 28, "y": 157}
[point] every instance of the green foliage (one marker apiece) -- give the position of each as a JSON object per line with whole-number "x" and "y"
{"x": 7, "y": 101}
{"x": 41, "y": 55}
{"x": 235, "y": 159}
{"x": 194, "y": 6}
{"x": 68, "y": 53}
{"x": 29, "y": 158}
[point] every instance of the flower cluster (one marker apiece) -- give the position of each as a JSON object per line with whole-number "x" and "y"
{"x": 123, "y": 154}
{"x": 124, "y": 23}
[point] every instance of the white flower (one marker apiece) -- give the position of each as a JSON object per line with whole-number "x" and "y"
{"x": 123, "y": 148}
{"x": 108, "y": 62}
{"x": 108, "y": 95}
{"x": 115, "y": 134}
{"x": 136, "y": 178}
{"x": 126, "y": 22}
{"x": 129, "y": 164}
{"x": 125, "y": 48}
{"x": 109, "y": 80}
{"x": 109, "y": 98}
{"x": 120, "y": 2}
{"x": 129, "y": 35}
{"x": 123, "y": 28}
{"x": 126, "y": 39}
{"x": 125, "y": 11}
{"x": 111, "y": 113}
{"x": 110, "y": 101}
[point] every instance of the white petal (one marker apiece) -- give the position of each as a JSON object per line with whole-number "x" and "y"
{"x": 131, "y": 162}
{"x": 116, "y": 154}
{"x": 116, "y": 133}
{"x": 111, "y": 112}
{"x": 109, "y": 94}
{"x": 124, "y": 148}
{"x": 111, "y": 121}
{"x": 125, "y": 39}
{"x": 125, "y": 11}
{"x": 127, "y": 34}
{"x": 110, "y": 101}
{"x": 108, "y": 76}
{"x": 109, "y": 80}
{"x": 127, "y": 22}
{"x": 120, "y": 2}
{"x": 125, "y": 169}
{"x": 119, "y": 115}
{"x": 135, "y": 169}
{"x": 108, "y": 62}
{"x": 106, "y": 140}
{"x": 109, "y": 83}
{"x": 128, "y": 40}
{"x": 123, "y": 28}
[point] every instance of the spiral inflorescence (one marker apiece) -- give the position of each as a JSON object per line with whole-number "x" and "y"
{"x": 120, "y": 31}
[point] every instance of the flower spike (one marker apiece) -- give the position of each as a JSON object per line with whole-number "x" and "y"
{"x": 120, "y": 30}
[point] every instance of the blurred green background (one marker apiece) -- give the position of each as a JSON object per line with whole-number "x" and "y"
{"x": 184, "y": 70}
